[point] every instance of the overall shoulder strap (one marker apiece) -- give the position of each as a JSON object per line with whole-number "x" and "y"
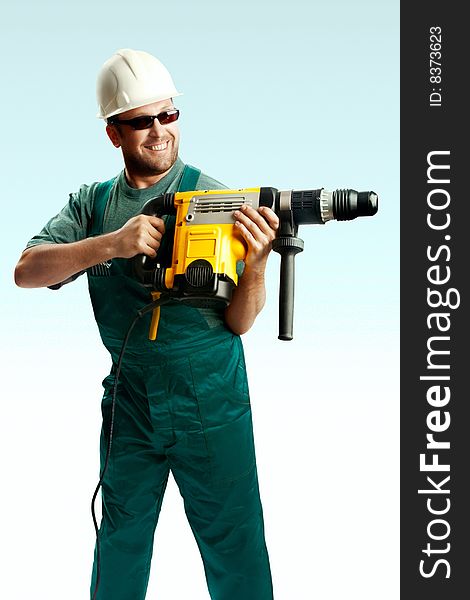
{"x": 189, "y": 179}
{"x": 99, "y": 206}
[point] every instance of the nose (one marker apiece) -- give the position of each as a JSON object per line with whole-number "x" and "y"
{"x": 158, "y": 128}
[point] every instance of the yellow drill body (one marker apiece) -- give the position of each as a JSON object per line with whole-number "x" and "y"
{"x": 206, "y": 246}
{"x": 220, "y": 244}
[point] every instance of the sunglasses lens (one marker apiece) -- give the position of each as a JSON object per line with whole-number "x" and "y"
{"x": 142, "y": 122}
{"x": 169, "y": 116}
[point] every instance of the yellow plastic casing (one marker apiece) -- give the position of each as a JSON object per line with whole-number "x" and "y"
{"x": 221, "y": 244}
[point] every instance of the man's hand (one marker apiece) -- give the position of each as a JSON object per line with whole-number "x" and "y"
{"x": 140, "y": 235}
{"x": 258, "y": 229}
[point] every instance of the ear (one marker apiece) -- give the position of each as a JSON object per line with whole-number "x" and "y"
{"x": 113, "y": 135}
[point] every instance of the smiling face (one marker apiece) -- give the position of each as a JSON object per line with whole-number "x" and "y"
{"x": 148, "y": 153}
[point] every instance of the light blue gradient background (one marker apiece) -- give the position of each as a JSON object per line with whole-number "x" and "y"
{"x": 292, "y": 95}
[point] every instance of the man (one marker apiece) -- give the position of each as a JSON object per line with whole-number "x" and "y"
{"x": 182, "y": 400}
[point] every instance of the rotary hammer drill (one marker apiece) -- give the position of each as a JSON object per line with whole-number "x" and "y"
{"x": 207, "y": 247}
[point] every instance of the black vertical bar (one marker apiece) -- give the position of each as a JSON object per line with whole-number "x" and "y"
{"x": 435, "y": 414}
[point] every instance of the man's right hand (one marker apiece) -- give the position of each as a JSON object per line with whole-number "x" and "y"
{"x": 140, "y": 235}
{"x": 49, "y": 264}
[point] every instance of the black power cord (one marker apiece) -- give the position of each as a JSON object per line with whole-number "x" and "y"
{"x": 143, "y": 311}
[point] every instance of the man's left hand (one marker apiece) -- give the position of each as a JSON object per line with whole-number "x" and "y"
{"x": 258, "y": 228}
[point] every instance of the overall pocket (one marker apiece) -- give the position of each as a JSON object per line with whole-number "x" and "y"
{"x": 221, "y": 390}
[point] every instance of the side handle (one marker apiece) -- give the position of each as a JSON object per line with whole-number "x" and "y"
{"x": 287, "y": 247}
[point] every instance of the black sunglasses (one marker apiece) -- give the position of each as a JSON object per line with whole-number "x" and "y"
{"x": 146, "y": 121}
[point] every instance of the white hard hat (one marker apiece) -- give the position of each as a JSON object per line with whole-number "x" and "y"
{"x": 129, "y": 79}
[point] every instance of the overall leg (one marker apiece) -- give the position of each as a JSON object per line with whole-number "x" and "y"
{"x": 132, "y": 494}
{"x": 215, "y": 469}
{"x": 226, "y": 516}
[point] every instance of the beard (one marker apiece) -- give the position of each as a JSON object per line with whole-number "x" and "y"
{"x": 150, "y": 166}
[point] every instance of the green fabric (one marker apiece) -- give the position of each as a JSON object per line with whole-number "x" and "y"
{"x": 182, "y": 405}
{"x": 189, "y": 179}
{"x": 102, "y": 192}
{"x": 192, "y": 416}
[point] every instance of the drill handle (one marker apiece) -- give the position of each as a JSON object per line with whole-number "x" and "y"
{"x": 159, "y": 206}
{"x": 144, "y": 266}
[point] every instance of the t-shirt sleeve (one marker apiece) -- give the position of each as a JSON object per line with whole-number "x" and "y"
{"x": 70, "y": 224}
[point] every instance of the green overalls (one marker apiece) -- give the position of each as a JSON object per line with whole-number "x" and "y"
{"x": 182, "y": 404}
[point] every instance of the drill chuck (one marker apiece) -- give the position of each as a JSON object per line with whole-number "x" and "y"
{"x": 319, "y": 206}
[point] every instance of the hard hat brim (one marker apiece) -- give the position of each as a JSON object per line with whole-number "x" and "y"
{"x": 131, "y": 106}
